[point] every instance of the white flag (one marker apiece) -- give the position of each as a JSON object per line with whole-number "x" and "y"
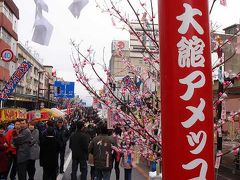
{"x": 42, "y": 28}
{"x": 42, "y": 31}
{"x": 77, "y": 6}
{"x": 41, "y": 5}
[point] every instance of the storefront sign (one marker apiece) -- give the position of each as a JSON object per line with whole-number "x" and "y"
{"x": 12, "y": 114}
{"x": 45, "y": 116}
{"x": 13, "y": 81}
{"x": 186, "y": 90}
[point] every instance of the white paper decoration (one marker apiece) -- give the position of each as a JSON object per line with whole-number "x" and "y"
{"x": 42, "y": 27}
{"x": 77, "y": 6}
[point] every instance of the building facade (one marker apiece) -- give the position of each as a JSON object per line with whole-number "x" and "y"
{"x": 129, "y": 60}
{"x": 134, "y": 52}
{"x": 9, "y": 15}
{"x": 231, "y": 53}
{"x": 231, "y": 66}
{"x": 36, "y": 87}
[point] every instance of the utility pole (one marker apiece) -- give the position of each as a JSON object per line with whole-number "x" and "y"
{"x": 219, "y": 105}
{"x": 48, "y": 95}
{"x": 49, "y": 92}
{"x": 37, "y": 105}
{"x": 37, "y": 100}
{"x": 219, "y": 113}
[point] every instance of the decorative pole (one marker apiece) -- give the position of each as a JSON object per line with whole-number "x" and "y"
{"x": 219, "y": 104}
{"x": 186, "y": 90}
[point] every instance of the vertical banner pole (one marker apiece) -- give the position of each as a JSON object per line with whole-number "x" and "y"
{"x": 186, "y": 90}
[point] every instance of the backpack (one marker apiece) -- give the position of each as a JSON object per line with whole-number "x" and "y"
{"x": 103, "y": 152}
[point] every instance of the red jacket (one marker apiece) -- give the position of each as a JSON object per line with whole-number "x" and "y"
{"x": 8, "y": 136}
{"x": 3, "y": 155}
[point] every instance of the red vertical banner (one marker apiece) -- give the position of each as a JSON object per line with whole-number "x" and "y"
{"x": 186, "y": 90}
{"x": 68, "y": 108}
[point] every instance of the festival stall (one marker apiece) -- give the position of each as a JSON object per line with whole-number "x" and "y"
{"x": 57, "y": 112}
{"x": 12, "y": 114}
{"x": 44, "y": 114}
{"x": 33, "y": 115}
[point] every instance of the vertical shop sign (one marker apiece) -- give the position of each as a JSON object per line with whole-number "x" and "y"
{"x": 186, "y": 90}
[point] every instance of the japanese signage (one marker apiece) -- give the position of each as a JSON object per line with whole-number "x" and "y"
{"x": 186, "y": 90}
{"x": 120, "y": 45}
{"x": 12, "y": 114}
{"x": 13, "y": 81}
{"x": 44, "y": 116}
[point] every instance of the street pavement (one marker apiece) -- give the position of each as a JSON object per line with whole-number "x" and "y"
{"x": 226, "y": 171}
{"x": 67, "y": 175}
{"x": 68, "y": 165}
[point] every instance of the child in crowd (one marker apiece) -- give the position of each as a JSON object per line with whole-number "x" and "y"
{"x": 126, "y": 163}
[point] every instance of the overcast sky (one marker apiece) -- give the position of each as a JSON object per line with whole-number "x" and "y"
{"x": 93, "y": 28}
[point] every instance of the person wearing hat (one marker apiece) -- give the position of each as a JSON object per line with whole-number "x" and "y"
{"x": 62, "y": 135}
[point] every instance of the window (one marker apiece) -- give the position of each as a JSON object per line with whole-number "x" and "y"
{"x": 7, "y": 13}
{"x": 6, "y": 37}
{"x": 19, "y": 90}
{"x": 139, "y": 69}
{"x": 14, "y": 46}
{"x": 35, "y": 71}
{"x": 34, "y": 93}
{"x": 35, "y": 83}
{"x": 14, "y": 24}
{"x": 28, "y": 91}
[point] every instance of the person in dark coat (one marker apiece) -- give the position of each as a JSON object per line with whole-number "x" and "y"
{"x": 62, "y": 138}
{"x": 22, "y": 142}
{"x": 79, "y": 142}
{"x": 101, "y": 149}
{"x": 48, "y": 153}
{"x": 3, "y": 155}
{"x": 34, "y": 151}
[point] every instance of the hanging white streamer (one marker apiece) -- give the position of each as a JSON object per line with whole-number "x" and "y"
{"x": 76, "y": 7}
{"x": 42, "y": 28}
{"x": 42, "y": 31}
{"x": 40, "y": 5}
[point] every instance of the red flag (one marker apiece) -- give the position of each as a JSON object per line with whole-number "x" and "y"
{"x": 223, "y": 2}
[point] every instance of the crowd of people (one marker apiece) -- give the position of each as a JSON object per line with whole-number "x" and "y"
{"x": 23, "y": 143}
{"x": 92, "y": 145}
